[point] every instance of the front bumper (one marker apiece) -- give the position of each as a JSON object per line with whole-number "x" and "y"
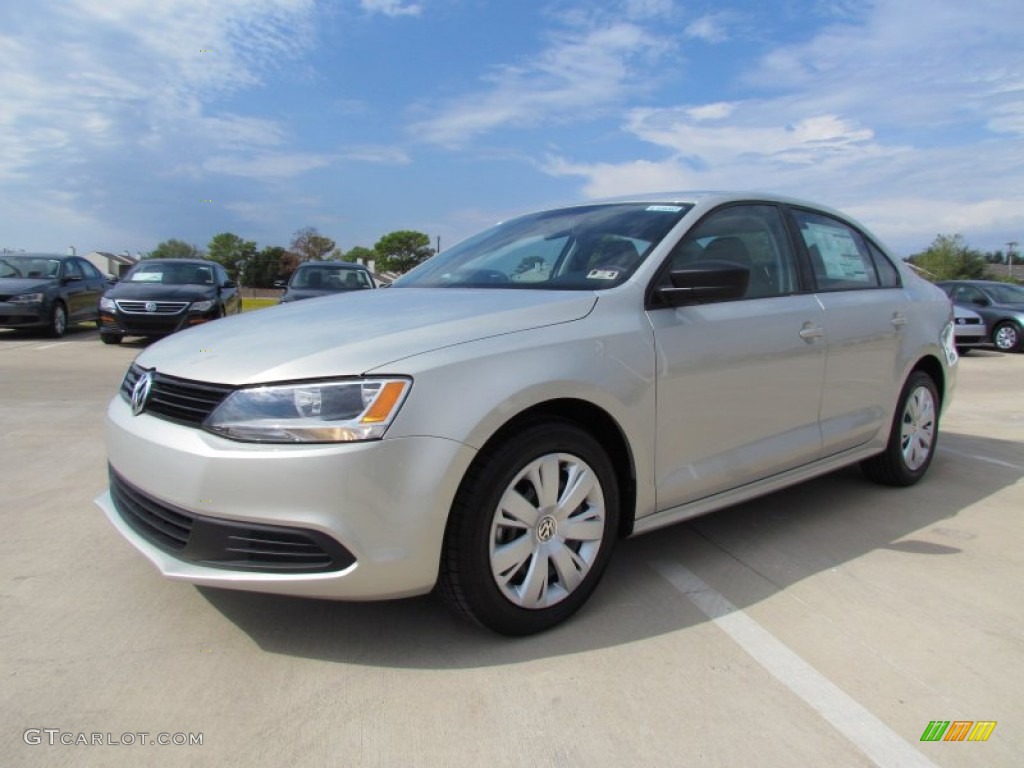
{"x": 24, "y": 315}
{"x": 384, "y": 502}
{"x": 119, "y": 323}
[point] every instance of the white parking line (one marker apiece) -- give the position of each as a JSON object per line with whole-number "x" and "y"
{"x": 875, "y": 739}
{"x": 985, "y": 459}
{"x": 51, "y": 346}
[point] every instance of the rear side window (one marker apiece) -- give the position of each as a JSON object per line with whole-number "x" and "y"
{"x": 841, "y": 259}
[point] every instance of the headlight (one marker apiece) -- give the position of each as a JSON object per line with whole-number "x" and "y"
{"x": 202, "y": 306}
{"x": 107, "y": 305}
{"x": 310, "y": 412}
{"x": 27, "y": 298}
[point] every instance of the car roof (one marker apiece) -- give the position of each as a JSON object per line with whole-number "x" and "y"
{"x": 200, "y": 262}
{"x": 702, "y": 200}
{"x": 19, "y": 254}
{"x": 342, "y": 264}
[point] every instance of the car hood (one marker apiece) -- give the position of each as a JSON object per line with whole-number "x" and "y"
{"x": 355, "y": 333}
{"x": 160, "y": 292}
{"x": 11, "y": 286}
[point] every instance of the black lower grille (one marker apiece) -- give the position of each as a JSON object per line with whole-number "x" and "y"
{"x": 176, "y": 399}
{"x": 226, "y": 543}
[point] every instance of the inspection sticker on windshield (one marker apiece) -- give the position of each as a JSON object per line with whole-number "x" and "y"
{"x": 603, "y": 274}
{"x": 665, "y": 208}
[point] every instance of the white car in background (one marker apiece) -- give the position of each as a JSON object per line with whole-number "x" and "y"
{"x": 492, "y": 424}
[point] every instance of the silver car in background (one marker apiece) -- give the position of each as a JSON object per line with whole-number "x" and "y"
{"x": 495, "y": 422}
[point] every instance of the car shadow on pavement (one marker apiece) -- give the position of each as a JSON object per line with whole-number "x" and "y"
{"x": 764, "y": 545}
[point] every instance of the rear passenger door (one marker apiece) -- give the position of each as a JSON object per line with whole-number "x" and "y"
{"x": 864, "y": 303}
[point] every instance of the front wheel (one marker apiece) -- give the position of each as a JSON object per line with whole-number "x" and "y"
{"x": 58, "y": 320}
{"x": 1007, "y": 337}
{"x": 915, "y": 430}
{"x": 531, "y": 530}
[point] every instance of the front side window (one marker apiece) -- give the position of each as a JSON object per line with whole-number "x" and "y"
{"x": 582, "y": 248}
{"x": 751, "y": 236}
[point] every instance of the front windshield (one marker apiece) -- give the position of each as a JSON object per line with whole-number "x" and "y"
{"x": 581, "y": 248}
{"x": 1008, "y": 294}
{"x": 165, "y": 273}
{"x": 29, "y": 266}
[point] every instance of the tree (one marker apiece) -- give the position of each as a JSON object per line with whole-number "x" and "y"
{"x": 174, "y": 249}
{"x": 310, "y": 245}
{"x": 232, "y": 252}
{"x": 270, "y": 264}
{"x": 949, "y": 258}
{"x": 401, "y": 251}
{"x": 360, "y": 254}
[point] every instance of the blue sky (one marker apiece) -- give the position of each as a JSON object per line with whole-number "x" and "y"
{"x": 127, "y": 122}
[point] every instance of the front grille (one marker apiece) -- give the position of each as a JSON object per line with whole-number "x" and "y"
{"x": 159, "y": 307}
{"x": 225, "y": 543}
{"x": 181, "y": 400}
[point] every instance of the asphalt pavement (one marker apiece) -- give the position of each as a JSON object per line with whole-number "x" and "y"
{"x": 831, "y": 624}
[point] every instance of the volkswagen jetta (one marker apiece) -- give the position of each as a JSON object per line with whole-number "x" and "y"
{"x": 495, "y": 422}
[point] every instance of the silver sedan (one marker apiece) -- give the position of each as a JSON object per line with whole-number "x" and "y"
{"x": 491, "y": 425}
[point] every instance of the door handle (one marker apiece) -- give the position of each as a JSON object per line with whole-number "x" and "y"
{"x": 810, "y": 332}
{"x": 899, "y": 319}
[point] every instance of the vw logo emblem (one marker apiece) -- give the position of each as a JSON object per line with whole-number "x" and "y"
{"x": 546, "y": 528}
{"x": 151, "y": 306}
{"x": 140, "y": 392}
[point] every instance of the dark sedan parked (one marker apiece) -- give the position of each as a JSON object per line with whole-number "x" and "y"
{"x": 320, "y": 278}
{"x": 161, "y": 296}
{"x": 1000, "y": 304}
{"x": 48, "y": 291}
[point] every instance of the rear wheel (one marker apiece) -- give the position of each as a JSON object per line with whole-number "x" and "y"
{"x": 1007, "y": 337}
{"x": 915, "y": 430}
{"x": 111, "y": 338}
{"x": 531, "y": 530}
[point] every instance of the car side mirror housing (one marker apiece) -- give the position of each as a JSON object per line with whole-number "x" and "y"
{"x": 981, "y": 301}
{"x": 230, "y": 284}
{"x": 280, "y": 284}
{"x": 705, "y": 281}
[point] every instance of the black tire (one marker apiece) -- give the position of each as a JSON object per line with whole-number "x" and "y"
{"x": 481, "y": 528}
{"x": 111, "y": 338}
{"x": 912, "y": 437}
{"x": 1007, "y": 337}
{"x": 58, "y": 320}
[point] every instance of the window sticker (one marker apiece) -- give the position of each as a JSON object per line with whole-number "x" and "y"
{"x": 665, "y": 208}
{"x": 603, "y": 274}
{"x": 148, "y": 277}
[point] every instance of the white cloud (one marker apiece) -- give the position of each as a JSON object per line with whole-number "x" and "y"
{"x": 581, "y": 70}
{"x": 912, "y": 116}
{"x": 391, "y": 7}
{"x": 710, "y": 28}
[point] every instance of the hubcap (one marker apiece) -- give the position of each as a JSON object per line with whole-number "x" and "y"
{"x": 917, "y": 433}
{"x": 547, "y": 530}
{"x": 1006, "y": 337}
{"x": 58, "y": 320}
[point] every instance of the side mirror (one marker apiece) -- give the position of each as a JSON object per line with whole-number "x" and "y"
{"x": 981, "y": 301}
{"x": 230, "y": 284}
{"x": 280, "y": 284}
{"x": 705, "y": 281}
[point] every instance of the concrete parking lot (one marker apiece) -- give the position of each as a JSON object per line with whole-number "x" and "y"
{"x": 826, "y": 625}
